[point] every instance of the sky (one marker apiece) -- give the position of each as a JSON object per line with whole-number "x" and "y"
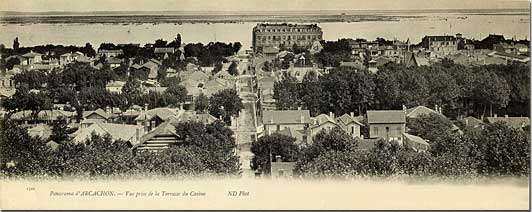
{"x": 250, "y": 5}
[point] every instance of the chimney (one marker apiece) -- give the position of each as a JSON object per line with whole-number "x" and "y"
{"x": 495, "y": 115}
{"x": 506, "y": 116}
{"x": 436, "y": 108}
{"x": 299, "y": 108}
{"x": 138, "y": 135}
{"x": 466, "y": 122}
{"x": 352, "y": 114}
{"x": 331, "y": 114}
{"x": 181, "y": 106}
{"x": 145, "y": 107}
{"x": 404, "y": 108}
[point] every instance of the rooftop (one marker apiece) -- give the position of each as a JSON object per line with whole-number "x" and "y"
{"x": 286, "y": 117}
{"x": 386, "y": 116}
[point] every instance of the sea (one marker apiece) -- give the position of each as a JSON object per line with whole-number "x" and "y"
{"x": 405, "y": 25}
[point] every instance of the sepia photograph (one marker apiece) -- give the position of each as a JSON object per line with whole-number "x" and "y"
{"x": 265, "y": 105}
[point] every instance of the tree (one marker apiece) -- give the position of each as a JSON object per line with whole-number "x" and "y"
{"x": 286, "y": 93}
{"x": 311, "y": 93}
{"x": 233, "y": 69}
{"x": 201, "y": 103}
{"x": 176, "y": 94}
{"x": 236, "y": 47}
{"x": 430, "y": 127}
{"x": 16, "y": 45}
{"x": 60, "y": 131}
{"x": 20, "y": 153}
{"x": 225, "y": 103}
{"x": 217, "y": 68}
{"x": 267, "y": 147}
{"x": 132, "y": 88}
{"x": 213, "y": 144}
{"x": 11, "y": 62}
{"x": 505, "y": 150}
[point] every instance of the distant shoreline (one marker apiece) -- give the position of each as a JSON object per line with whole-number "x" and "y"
{"x": 165, "y": 19}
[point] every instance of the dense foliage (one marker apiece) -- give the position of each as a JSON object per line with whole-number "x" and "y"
{"x": 268, "y": 147}
{"x": 207, "y": 149}
{"x": 457, "y": 89}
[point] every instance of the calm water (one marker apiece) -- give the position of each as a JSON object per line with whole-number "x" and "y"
{"x": 471, "y": 26}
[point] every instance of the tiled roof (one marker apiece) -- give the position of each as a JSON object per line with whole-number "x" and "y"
{"x": 472, "y": 121}
{"x": 386, "y": 116}
{"x": 163, "y": 113}
{"x": 516, "y": 122}
{"x": 99, "y": 112}
{"x": 116, "y": 131}
{"x": 159, "y": 50}
{"x": 347, "y": 119}
{"x": 286, "y": 117}
{"x": 419, "y": 110}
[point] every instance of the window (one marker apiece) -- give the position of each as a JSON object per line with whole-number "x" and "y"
{"x": 353, "y": 130}
{"x": 376, "y": 130}
{"x": 278, "y": 127}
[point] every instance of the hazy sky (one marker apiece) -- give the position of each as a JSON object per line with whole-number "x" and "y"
{"x": 250, "y": 5}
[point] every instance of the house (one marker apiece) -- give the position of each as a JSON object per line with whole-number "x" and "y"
{"x": 71, "y": 57}
{"x": 160, "y": 51}
{"x": 440, "y": 46}
{"x": 415, "y": 142}
{"x": 416, "y": 112}
{"x": 115, "y": 87}
{"x": 386, "y": 124}
{"x": 322, "y": 122}
{"x": 125, "y": 132}
{"x": 110, "y": 52}
{"x": 153, "y": 66}
{"x": 411, "y": 59}
{"x": 471, "y": 121}
{"x": 204, "y": 118}
{"x": 44, "y": 116}
{"x": 160, "y": 138}
{"x": 358, "y": 65}
{"x": 515, "y": 122}
{"x": 31, "y": 58}
{"x": 113, "y": 62}
{"x": 91, "y": 117}
{"x": 509, "y": 57}
{"x": 351, "y": 124}
{"x": 297, "y": 121}
{"x": 150, "y": 119}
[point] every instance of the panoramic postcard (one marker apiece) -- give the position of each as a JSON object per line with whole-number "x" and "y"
{"x": 265, "y": 104}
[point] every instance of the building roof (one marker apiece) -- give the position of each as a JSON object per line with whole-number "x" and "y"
{"x": 116, "y": 131}
{"x": 165, "y": 129}
{"x": 118, "y": 51}
{"x": 31, "y": 54}
{"x": 113, "y": 60}
{"x": 515, "y": 122}
{"x": 270, "y": 50}
{"x": 193, "y": 116}
{"x": 99, "y": 112}
{"x": 116, "y": 84}
{"x": 472, "y": 121}
{"x": 291, "y": 132}
{"x": 415, "y": 142}
{"x": 161, "y": 50}
{"x": 415, "y": 112}
{"x": 347, "y": 119}
{"x": 386, "y": 116}
{"x": 163, "y": 113}
{"x": 440, "y": 38}
{"x": 286, "y": 117}
{"x": 515, "y": 57}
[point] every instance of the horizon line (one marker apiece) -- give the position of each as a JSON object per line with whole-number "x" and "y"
{"x": 302, "y": 10}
